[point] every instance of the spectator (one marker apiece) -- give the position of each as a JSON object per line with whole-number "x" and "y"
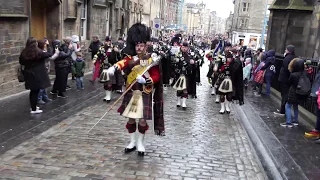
{"x": 62, "y": 65}
{"x": 296, "y": 67}
{"x": 43, "y": 96}
{"x": 94, "y": 48}
{"x": 270, "y": 69}
{"x": 315, "y": 133}
{"x": 35, "y": 72}
{"x": 284, "y": 78}
{"x": 259, "y": 77}
{"x": 78, "y": 70}
{"x": 246, "y": 72}
{"x": 67, "y": 41}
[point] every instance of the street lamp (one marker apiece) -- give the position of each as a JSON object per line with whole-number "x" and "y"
{"x": 264, "y": 24}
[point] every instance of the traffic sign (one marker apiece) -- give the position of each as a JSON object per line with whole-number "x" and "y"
{"x": 157, "y": 23}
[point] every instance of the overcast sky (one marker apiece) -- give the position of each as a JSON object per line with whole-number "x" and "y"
{"x": 222, "y": 7}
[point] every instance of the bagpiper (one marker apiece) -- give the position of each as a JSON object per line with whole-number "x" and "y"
{"x": 194, "y": 77}
{"x": 183, "y": 69}
{"x": 213, "y": 74}
{"x": 230, "y": 86}
{"x": 146, "y": 89}
{"x": 107, "y": 56}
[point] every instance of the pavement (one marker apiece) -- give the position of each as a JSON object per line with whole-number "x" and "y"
{"x": 18, "y": 125}
{"x": 200, "y": 143}
{"x": 293, "y": 155}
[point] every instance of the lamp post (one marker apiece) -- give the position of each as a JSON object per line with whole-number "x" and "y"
{"x": 264, "y": 25}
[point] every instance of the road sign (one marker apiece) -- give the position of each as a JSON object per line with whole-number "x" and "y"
{"x": 157, "y": 23}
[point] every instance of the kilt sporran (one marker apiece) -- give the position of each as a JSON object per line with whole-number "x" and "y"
{"x": 226, "y": 85}
{"x": 181, "y": 83}
{"x": 134, "y": 109}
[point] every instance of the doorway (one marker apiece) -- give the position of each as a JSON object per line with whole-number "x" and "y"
{"x": 241, "y": 42}
{"x": 38, "y": 19}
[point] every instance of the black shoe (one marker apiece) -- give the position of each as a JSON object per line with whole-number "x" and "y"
{"x": 127, "y": 150}
{"x": 184, "y": 108}
{"x": 140, "y": 153}
{"x": 60, "y": 95}
{"x": 178, "y": 106}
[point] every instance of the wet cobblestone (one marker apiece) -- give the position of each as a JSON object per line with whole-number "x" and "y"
{"x": 199, "y": 144}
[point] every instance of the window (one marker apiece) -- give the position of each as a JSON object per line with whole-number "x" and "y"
{"x": 83, "y": 20}
{"x": 245, "y": 7}
{"x": 244, "y": 23}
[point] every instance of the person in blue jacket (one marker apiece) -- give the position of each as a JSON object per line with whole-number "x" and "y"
{"x": 270, "y": 69}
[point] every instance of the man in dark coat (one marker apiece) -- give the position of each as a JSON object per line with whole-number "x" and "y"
{"x": 237, "y": 77}
{"x": 284, "y": 77}
{"x": 94, "y": 46}
{"x": 61, "y": 68}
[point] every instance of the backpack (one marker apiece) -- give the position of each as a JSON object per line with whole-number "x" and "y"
{"x": 304, "y": 85}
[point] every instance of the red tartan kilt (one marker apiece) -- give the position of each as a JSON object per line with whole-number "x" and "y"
{"x": 147, "y": 103}
{"x": 259, "y": 77}
{"x": 116, "y": 79}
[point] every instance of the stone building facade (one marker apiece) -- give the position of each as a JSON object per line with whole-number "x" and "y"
{"x": 295, "y": 22}
{"x": 247, "y": 21}
{"x": 55, "y": 19}
{"x": 172, "y": 12}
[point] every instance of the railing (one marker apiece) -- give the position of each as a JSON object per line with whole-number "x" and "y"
{"x": 309, "y": 103}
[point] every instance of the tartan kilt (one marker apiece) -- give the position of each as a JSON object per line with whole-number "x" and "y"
{"x": 147, "y": 104}
{"x": 214, "y": 78}
{"x": 117, "y": 78}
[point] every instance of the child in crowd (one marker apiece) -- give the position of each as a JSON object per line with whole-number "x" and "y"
{"x": 78, "y": 70}
{"x": 259, "y": 79}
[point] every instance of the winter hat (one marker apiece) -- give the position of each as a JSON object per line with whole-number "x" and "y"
{"x": 290, "y": 48}
{"x": 107, "y": 38}
{"x": 75, "y": 38}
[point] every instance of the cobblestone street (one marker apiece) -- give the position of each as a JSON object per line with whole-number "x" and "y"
{"x": 199, "y": 144}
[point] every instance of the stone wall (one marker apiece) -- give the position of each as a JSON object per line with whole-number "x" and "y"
{"x": 289, "y": 27}
{"x": 313, "y": 49}
{"x": 13, "y": 34}
{"x": 294, "y": 22}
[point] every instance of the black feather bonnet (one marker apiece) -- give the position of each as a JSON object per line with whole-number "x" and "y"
{"x": 138, "y": 33}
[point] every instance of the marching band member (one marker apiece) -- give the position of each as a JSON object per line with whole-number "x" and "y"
{"x": 183, "y": 69}
{"x": 107, "y": 56}
{"x": 137, "y": 102}
{"x": 230, "y": 86}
